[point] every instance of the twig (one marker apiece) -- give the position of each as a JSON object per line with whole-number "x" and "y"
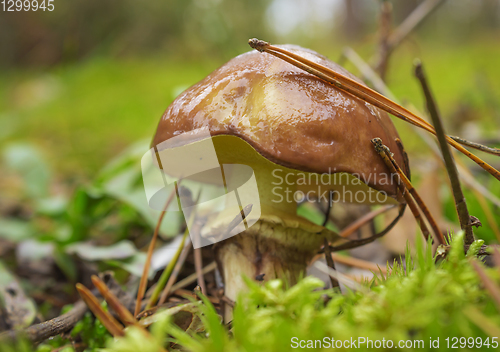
{"x": 193, "y": 277}
{"x": 221, "y": 232}
{"x": 40, "y": 332}
{"x": 145, "y": 272}
{"x": 358, "y": 263}
{"x": 328, "y": 209}
{"x": 496, "y": 258}
{"x": 228, "y": 301}
{"x": 175, "y": 273}
{"x": 367, "y": 72}
{"x": 238, "y": 219}
{"x": 189, "y": 293}
{"x": 354, "y": 226}
{"x": 461, "y": 205}
{"x": 394, "y": 167}
{"x": 384, "y": 154}
{"x": 489, "y": 215}
{"x": 391, "y": 40}
{"x": 73, "y": 346}
{"x": 482, "y": 321}
{"x": 384, "y": 45}
{"x": 479, "y": 190}
{"x": 198, "y": 264}
{"x": 483, "y": 148}
{"x": 331, "y": 264}
{"x": 356, "y": 89}
{"x": 338, "y": 276}
{"x": 160, "y": 285}
{"x": 363, "y": 241}
{"x": 489, "y": 285}
{"x": 412, "y": 21}
{"x": 123, "y": 313}
{"x": 483, "y": 251}
{"x": 353, "y": 262}
{"x": 110, "y": 323}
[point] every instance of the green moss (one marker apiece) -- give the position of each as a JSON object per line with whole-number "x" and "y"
{"x": 421, "y": 302}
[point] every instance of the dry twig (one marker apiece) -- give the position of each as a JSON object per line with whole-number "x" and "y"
{"x": 145, "y": 272}
{"x": 354, "y": 226}
{"x": 331, "y": 264}
{"x": 386, "y": 155}
{"x": 461, "y": 205}
{"x": 160, "y": 285}
{"x": 175, "y": 272}
{"x": 489, "y": 285}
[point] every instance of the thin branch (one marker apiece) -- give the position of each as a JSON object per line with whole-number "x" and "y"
{"x": 193, "y": 277}
{"x": 391, "y": 40}
{"x": 496, "y": 258}
{"x": 145, "y": 272}
{"x": 160, "y": 285}
{"x": 385, "y": 19}
{"x": 175, "y": 273}
{"x": 483, "y": 148}
{"x": 198, "y": 264}
{"x": 353, "y": 262}
{"x": 193, "y": 294}
{"x": 328, "y": 209}
{"x": 461, "y": 205}
{"x": 123, "y": 313}
{"x": 331, "y": 264}
{"x": 386, "y": 155}
{"x": 356, "y": 243}
{"x": 488, "y": 284}
{"x": 220, "y": 233}
{"x": 354, "y": 226}
{"x": 367, "y": 72}
{"x": 339, "y": 276}
{"x": 358, "y": 263}
{"x": 412, "y": 21}
{"x": 41, "y": 332}
{"x": 490, "y": 218}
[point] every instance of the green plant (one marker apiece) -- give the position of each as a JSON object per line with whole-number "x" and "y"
{"x": 419, "y": 301}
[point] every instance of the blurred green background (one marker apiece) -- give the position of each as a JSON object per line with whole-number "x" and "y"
{"x": 82, "y": 83}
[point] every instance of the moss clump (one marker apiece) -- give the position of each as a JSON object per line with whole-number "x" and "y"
{"x": 419, "y": 301}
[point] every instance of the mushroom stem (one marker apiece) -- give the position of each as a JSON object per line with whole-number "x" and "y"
{"x": 270, "y": 249}
{"x": 278, "y": 245}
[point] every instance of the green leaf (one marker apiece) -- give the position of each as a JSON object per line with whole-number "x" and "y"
{"x": 15, "y": 230}
{"x": 27, "y": 161}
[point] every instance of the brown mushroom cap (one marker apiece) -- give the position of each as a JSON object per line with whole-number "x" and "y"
{"x": 289, "y": 116}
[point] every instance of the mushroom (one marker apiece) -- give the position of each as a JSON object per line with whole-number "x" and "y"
{"x": 302, "y": 137}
